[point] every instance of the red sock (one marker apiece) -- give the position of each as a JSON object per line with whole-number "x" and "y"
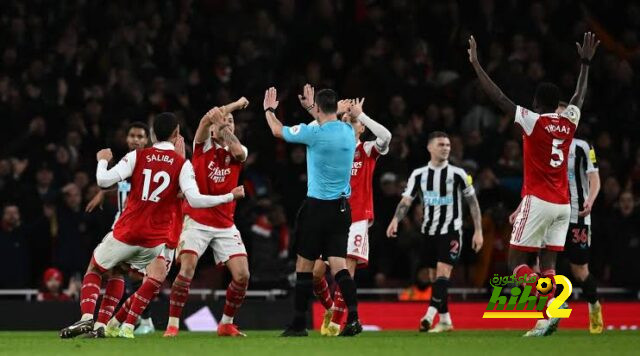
{"x": 321, "y": 291}
{"x": 141, "y": 298}
{"x": 339, "y": 308}
{"x": 90, "y": 292}
{"x": 122, "y": 313}
{"x": 235, "y": 297}
{"x": 179, "y": 295}
{"x": 112, "y": 295}
{"x": 523, "y": 270}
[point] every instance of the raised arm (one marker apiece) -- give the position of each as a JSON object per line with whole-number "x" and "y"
{"x": 383, "y": 136}
{"x": 203, "y": 132}
{"x": 586, "y": 52}
{"x": 123, "y": 170}
{"x": 232, "y": 141}
{"x": 270, "y": 104}
{"x": 490, "y": 88}
{"x": 307, "y": 100}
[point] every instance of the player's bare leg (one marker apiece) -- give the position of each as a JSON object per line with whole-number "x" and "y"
{"x": 180, "y": 291}
{"x": 347, "y": 287}
{"x": 439, "y": 301}
{"x": 588, "y": 284}
{"x": 88, "y": 297}
{"x": 156, "y": 274}
{"x": 322, "y": 291}
{"x": 239, "y": 268}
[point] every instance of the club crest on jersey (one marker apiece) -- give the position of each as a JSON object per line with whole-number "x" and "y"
{"x": 551, "y": 128}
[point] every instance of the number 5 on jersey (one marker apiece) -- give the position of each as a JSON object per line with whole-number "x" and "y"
{"x": 159, "y": 176}
{"x": 556, "y": 151}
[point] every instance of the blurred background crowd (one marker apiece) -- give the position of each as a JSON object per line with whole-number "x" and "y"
{"x": 74, "y": 73}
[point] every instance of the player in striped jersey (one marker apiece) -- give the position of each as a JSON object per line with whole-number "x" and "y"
{"x": 584, "y": 185}
{"x": 441, "y": 186}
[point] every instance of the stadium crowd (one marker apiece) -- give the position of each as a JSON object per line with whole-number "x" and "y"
{"x": 75, "y": 73}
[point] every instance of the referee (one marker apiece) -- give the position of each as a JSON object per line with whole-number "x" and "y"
{"x": 325, "y": 216}
{"x": 441, "y": 187}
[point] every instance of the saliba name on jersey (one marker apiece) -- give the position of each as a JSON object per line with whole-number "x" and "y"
{"x": 159, "y": 158}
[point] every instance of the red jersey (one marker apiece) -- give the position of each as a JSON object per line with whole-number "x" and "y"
{"x": 546, "y": 142}
{"x": 217, "y": 173}
{"x": 364, "y": 162}
{"x": 173, "y": 238}
{"x": 155, "y": 181}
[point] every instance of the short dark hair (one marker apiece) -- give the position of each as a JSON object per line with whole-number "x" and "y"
{"x": 436, "y": 134}
{"x": 164, "y": 124}
{"x": 327, "y": 101}
{"x": 139, "y": 125}
{"x": 547, "y": 95}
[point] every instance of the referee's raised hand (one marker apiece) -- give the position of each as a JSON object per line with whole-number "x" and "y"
{"x": 270, "y": 99}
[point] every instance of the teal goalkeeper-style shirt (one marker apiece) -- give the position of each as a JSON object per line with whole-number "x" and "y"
{"x": 330, "y": 150}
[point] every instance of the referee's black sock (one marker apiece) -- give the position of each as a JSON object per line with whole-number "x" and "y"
{"x": 348, "y": 290}
{"x": 304, "y": 291}
{"x": 589, "y": 289}
{"x": 440, "y": 294}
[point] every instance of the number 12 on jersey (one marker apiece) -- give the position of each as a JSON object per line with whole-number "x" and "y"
{"x": 159, "y": 176}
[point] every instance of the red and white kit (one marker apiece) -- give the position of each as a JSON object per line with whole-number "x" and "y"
{"x": 361, "y": 200}
{"x": 543, "y": 217}
{"x": 140, "y": 234}
{"x": 217, "y": 172}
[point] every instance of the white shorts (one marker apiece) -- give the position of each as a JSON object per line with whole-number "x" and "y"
{"x": 111, "y": 252}
{"x": 540, "y": 224}
{"x": 358, "y": 244}
{"x": 225, "y": 243}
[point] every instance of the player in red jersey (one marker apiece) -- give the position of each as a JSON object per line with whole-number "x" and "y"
{"x": 361, "y": 201}
{"x": 218, "y": 157}
{"x": 543, "y": 215}
{"x": 140, "y": 233}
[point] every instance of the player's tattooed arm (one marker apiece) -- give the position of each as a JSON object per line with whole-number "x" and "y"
{"x": 586, "y": 52}
{"x": 236, "y": 105}
{"x": 489, "y": 87}
{"x": 203, "y": 133}
{"x": 235, "y": 147}
{"x": 474, "y": 207}
{"x": 403, "y": 208}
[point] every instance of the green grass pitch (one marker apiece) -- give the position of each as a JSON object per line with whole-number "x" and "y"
{"x": 369, "y": 343}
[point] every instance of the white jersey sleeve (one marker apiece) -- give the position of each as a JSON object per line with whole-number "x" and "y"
{"x": 190, "y": 190}
{"x": 526, "y": 118}
{"x": 413, "y": 185}
{"x": 121, "y": 171}
{"x": 572, "y": 113}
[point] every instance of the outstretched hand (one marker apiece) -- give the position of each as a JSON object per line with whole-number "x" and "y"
{"x": 589, "y": 46}
{"x": 473, "y": 50}
{"x": 270, "y": 97}
{"x": 307, "y": 97}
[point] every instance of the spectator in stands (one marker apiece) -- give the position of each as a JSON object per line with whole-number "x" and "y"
{"x": 624, "y": 243}
{"x": 14, "y": 247}
{"x": 52, "y": 287}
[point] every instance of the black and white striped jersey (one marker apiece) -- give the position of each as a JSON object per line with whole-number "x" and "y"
{"x": 582, "y": 161}
{"x": 441, "y": 189}
{"x": 124, "y": 187}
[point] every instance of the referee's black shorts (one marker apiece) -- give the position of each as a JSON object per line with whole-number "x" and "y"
{"x": 322, "y": 228}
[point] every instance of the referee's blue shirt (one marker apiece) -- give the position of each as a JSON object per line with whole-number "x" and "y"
{"x": 330, "y": 150}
